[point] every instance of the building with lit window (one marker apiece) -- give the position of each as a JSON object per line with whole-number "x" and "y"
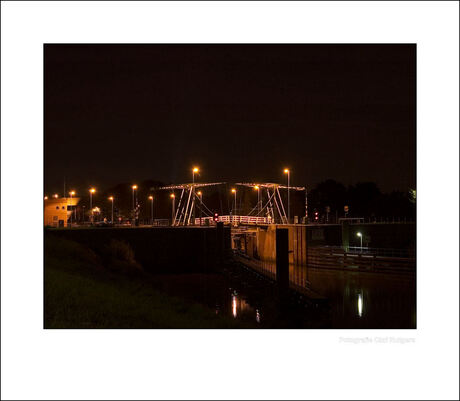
{"x": 58, "y": 210}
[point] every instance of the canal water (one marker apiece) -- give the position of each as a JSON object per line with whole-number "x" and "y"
{"x": 365, "y": 299}
{"x": 354, "y": 299}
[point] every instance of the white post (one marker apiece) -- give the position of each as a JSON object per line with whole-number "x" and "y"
{"x": 71, "y": 211}
{"x": 289, "y": 200}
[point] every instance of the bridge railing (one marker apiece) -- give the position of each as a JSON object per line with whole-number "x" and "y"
{"x": 337, "y": 257}
{"x": 234, "y": 219}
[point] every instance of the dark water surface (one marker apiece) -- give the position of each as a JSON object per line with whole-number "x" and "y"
{"x": 367, "y": 300}
{"x": 353, "y": 299}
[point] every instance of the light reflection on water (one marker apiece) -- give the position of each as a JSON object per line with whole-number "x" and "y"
{"x": 360, "y": 305}
{"x": 240, "y": 308}
{"x": 234, "y": 306}
{"x": 359, "y": 299}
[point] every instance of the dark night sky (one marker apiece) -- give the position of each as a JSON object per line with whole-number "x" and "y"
{"x": 125, "y": 113}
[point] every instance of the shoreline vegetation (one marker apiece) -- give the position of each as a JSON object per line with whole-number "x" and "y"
{"x": 110, "y": 290}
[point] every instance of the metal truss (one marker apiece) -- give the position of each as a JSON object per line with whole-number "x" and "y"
{"x": 188, "y": 200}
{"x": 274, "y": 201}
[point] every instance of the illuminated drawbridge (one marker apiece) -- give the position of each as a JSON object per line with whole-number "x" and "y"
{"x": 269, "y": 209}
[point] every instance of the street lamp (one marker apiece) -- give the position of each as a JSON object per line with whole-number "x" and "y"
{"x": 91, "y": 192}
{"x": 361, "y": 238}
{"x": 173, "y": 198}
{"x": 55, "y": 196}
{"x": 194, "y": 171}
{"x": 258, "y": 199}
{"x": 111, "y": 199}
{"x": 200, "y": 194}
{"x": 286, "y": 171}
{"x": 234, "y": 209}
{"x": 151, "y": 200}
{"x": 71, "y": 193}
{"x": 134, "y": 187}
{"x": 46, "y": 198}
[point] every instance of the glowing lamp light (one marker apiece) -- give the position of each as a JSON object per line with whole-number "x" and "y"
{"x": 92, "y": 190}
{"x": 134, "y": 186}
{"x": 233, "y": 190}
{"x": 55, "y": 196}
{"x": 256, "y": 187}
{"x": 359, "y": 234}
{"x": 111, "y": 198}
{"x": 195, "y": 170}
{"x": 46, "y": 198}
{"x": 72, "y": 193}
{"x": 199, "y": 193}
{"x": 286, "y": 171}
{"x": 172, "y": 196}
{"x": 360, "y": 305}
{"x": 151, "y": 197}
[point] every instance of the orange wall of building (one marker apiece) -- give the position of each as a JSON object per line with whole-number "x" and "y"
{"x": 56, "y": 210}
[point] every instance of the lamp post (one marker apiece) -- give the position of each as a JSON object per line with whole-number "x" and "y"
{"x": 91, "y": 192}
{"x": 173, "y": 198}
{"x": 151, "y": 208}
{"x": 234, "y": 209}
{"x": 195, "y": 170}
{"x": 258, "y": 199}
{"x": 134, "y": 187}
{"x": 111, "y": 199}
{"x": 286, "y": 171}
{"x": 200, "y": 194}
{"x": 71, "y": 193}
{"x": 361, "y": 238}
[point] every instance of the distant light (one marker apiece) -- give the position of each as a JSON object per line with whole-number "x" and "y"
{"x": 92, "y": 190}
{"x": 172, "y": 196}
{"x": 234, "y": 306}
{"x": 111, "y": 198}
{"x": 151, "y": 197}
{"x": 286, "y": 171}
{"x": 199, "y": 193}
{"x": 72, "y": 193}
{"x": 359, "y": 234}
{"x": 360, "y": 305}
{"x": 233, "y": 190}
{"x": 256, "y": 187}
{"x": 46, "y": 198}
{"x": 195, "y": 170}
{"x": 134, "y": 186}
{"x": 55, "y": 196}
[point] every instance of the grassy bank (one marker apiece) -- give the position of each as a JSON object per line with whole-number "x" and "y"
{"x": 88, "y": 290}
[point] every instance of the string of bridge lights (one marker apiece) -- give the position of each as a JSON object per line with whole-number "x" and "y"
{"x": 187, "y": 204}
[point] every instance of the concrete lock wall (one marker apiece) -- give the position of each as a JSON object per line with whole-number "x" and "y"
{"x": 261, "y": 244}
{"x": 266, "y": 243}
{"x": 159, "y": 249}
